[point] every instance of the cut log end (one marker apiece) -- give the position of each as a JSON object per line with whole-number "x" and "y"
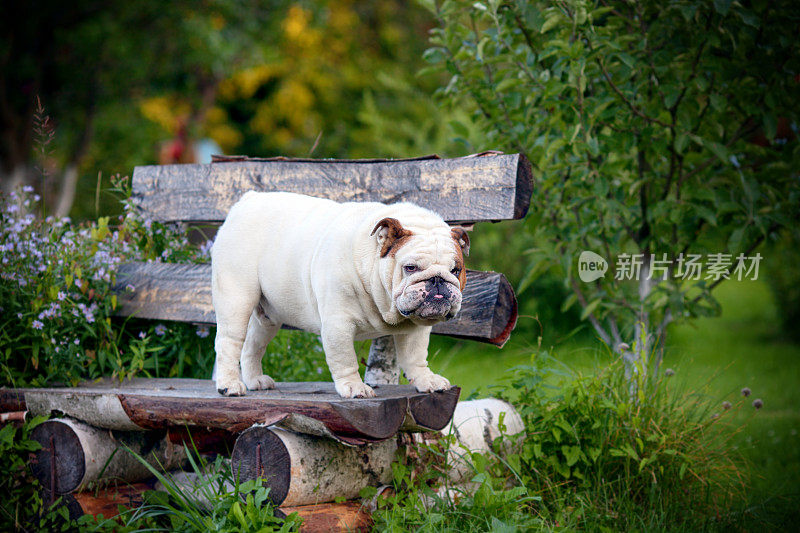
{"x": 59, "y": 465}
{"x": 260, "y": 453}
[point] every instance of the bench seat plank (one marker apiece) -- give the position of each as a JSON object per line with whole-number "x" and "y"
{"x": 164, "y": 403}
{"x": 182, "y": 292}
{"x": 465, "y": 189}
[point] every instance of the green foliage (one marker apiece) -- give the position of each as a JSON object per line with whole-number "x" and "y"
{"x": 58, "y": 322}
{"x": 783, "y": 276}
{"x": 621, "y": 461}
{"x": 56, "y": 288}
{"x": 21, "y": 501}
{"x": 422, "y": 500}
{"x": 216, "y": 502}
{"x": 654, "y": 128}
{"x": 99, "y": 57}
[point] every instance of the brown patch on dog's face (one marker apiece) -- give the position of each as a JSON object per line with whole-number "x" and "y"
{"x": 391, "y": 235}
{"x": 462, "y": 248}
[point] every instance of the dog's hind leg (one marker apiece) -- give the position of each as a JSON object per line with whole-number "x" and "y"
{"x": 260, "y": 330}
{"x": 234, "y": 300}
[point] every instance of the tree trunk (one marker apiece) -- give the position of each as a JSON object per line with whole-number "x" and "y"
{"x": 66, "y": 196}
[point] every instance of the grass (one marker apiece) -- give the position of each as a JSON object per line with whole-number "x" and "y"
{"x": 715, "y": 356}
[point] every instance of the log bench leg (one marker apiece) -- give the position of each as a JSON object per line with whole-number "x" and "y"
{"x": 74, "y": 454}
{"x": 382, "y": 368}
{"x": 304, "y": 469}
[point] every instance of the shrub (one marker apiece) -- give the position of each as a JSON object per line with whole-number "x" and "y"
{"x": 57, "y": 320}
{"x": 21, "y": 501}
{"x": 619, "y": 460}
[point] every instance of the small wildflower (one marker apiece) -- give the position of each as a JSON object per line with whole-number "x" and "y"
{"x": 746, "y": 392}
{"x": 205, "y": 248}
{"x": 27, "y": 188}
{"x": 161, "y": 329}
{"x": 714, "y": 416}
{"x": 61, "y": 296}
{"x": 37, "y": 324}
{"x": 758, "y": 403}
{"x": 669, "y": 372}
{"x": 726, "y": 405}
{"x": 142, "y": 334}
{"x": 130, "y": 288}
{"x": 76, "y": 342}
{"x": 319, "y": 370}
{"x": 623, "y": 347}
{"x": 202, "y": 332}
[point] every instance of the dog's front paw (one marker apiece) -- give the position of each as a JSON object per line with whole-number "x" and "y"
{"x": 234, "y": 387}
{"x": 353, "y": 388}
{"x": 262, "y": 382}
{"x": 430, "y": 382}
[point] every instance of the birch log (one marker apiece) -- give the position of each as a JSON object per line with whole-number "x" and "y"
{"x": 304, "y": 469}
{"x": 75, "y": 454}
{"x": 382, "y": 368}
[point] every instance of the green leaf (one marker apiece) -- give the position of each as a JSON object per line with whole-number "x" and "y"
{"x": 681, "y": 140}
{"x": 572, "y": 454}
{"x": 718, "y": 150}
{"x": 589, "y": 309}
{"x": 770, "y": 126}
{"x": 722, "y": 6}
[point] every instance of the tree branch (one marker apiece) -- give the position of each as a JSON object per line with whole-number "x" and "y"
{"x": 592, "y": 319}
{"x": 638, "y": 112}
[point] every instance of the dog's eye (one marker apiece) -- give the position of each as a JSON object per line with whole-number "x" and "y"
{"x": 410, "y": 268}
{"x": 456, "y": 272}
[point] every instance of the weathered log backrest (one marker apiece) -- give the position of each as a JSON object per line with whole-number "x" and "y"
{"x": 484, "y": 187}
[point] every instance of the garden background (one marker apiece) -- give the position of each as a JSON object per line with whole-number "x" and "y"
{"x": 613, "y": 102}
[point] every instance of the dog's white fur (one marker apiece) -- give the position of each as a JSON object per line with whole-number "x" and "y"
{"x": 317, "y": 265}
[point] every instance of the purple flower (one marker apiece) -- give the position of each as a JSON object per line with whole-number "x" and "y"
{"x": 161, "y": 329}
{"x": 726, "y": 405}
{"x": 61, "y": 296}
{"x": 205, "y": 248}
{"x": 27, "y": 188}
{"x": 142, "y": 334}
{"x": 37, "y": 324}
{"x": 746, "y": 392}
{"x": 758, "y": 403}
{"x": 669, "y": 372}
{"x": 202, "y": 332}
{"x": 130, "y": 288}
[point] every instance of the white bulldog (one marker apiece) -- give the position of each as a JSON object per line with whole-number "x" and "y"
{"x": 346, "y": 271}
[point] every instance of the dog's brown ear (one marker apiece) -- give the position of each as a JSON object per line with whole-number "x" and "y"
{"x": 461, "y": 238}
{"x": 391, "y": 235}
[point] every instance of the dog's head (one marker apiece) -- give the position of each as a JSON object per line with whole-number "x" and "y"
{"x": 423, "y": 264}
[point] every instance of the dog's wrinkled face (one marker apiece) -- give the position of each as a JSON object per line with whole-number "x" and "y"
{"x": 426, "y": 268}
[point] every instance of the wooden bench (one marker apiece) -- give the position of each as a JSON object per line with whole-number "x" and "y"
{"x": 271, "y": 430}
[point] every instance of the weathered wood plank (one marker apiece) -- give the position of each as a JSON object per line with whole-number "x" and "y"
{"x": 466, "y": 189}
{"x": 314, "y": 407}
{"x": 182, "y": 292}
